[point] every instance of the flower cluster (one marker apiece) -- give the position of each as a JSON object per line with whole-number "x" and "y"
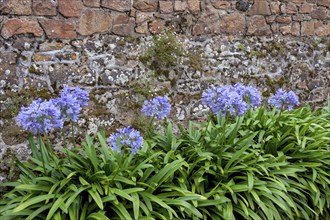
{"x": 158, "y": 107}
{"x": 71, "y": 102}
{"x": 284, "y": 100}
{"x": 44, "y": 116}
{"x": 40, "y": 117}
{"x": 126, "y": 137}
{"x": 234, "y": 100}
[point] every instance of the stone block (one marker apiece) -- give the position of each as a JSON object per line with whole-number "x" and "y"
{"x": 146, "y": 5}
{"x": 44, "y": 7}
{"x": 291, "y": 8}
{"x": 58, "y": 29}
{"x": 306, "y": 8}
{"x": 319, "y": 13}
{"x": 221, "y": 4}
{"x": 94, "y": 21}
{"x": 92, "y": 3}
{"x": 70, "y": 8}
{"x": 180, "y": 5}
{"x": 323, "y": 30}
{"x": 117, "y": 5}
{"x": 194, "y": 6}
{"x": 283, "y": 19}
{"x": 260, "y": 7}
{"x": 257, "y": 26}
{"x": 17, "y": 26}
{"x": 293, "y": 29}
{"x": 325, "y": 3}
{"x": 157, "y": 26}
{"x": 123, "y": 25}
{"x": 15, "y": 7}
{"x": 165, "y": 7}
{"x": 274, "y": 7}
{"x": 307, "y": 28}
{"x": 233, "y": 24}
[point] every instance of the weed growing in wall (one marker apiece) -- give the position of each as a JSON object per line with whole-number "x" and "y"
{"x": 166, "y": 53}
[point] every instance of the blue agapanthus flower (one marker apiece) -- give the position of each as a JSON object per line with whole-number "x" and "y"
{"x": 234, "y": 100}
{"x": 71, "y": 102}
{"x": 158, "y": 107}
{"x": 284, "y": 100}
{"x": 250, "y": 94}
{"x": 40, "y": 117}
{"x": 126, "y": 138}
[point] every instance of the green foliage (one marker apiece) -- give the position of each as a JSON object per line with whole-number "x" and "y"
{"x": 263, "y": 165}
{"x": 166, "y": 52}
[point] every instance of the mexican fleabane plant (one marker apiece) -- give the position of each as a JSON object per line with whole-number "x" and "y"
{"x": 284, "y": 100}
{"x": 232, "y": 100}
{"x": 126, "y": 138}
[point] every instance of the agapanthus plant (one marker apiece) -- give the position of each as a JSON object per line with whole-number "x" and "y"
{"x": 126, "y": 138}
{"x": 158, "y": 107}
{"x": 233, "y": 100}
{"x": 284, "y": 100}
{"x": 71, "y": 102}
{"x": 40, "y": 117}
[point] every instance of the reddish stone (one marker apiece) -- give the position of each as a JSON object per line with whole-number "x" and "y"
{"x": 15, "y": 7}
{"x": 233, "y": 24}
{"x": 157, "y": 26}
{"x": 298, "y": 1}
{"x": 311, "y": 1}
{"x": 271, "y": 18}
{"x": 291, "y": 8}
{"x": 142, "y": 17}
{"x": 92, "y": 3}
{"x": 118, "y": 5}
{"x": 146, "y": 5}
{"x": 94, "y": 21}
{"x": 220, "y": 4}
{"x": 123, "y": 25}
{"x": 275, "y": 28}
{"x": 295, "y": 29}
{"x": 283, "y": 19}
{"x": 194, "y": 6}
{"x": 208, "y": 22}
{"x": 306, "y": 8}
{"x": 298, "y": 17}
{"x": 60, "y": 29}
{"x": 180, "y": 6}
{"x": 165, "y": 7}
{"x": 274, "y": 7}
{"x": 17, "y": 26}
{"x": 323, "y": 30}
{"x": 142, "y": 29}
{"x": 319, "y": 13}
{"x": 44, "y": 7}
{"x": 285, "y": 29}
{"x": 70, "y": 8}
{"x": 259, "y": 7}
{"x": 325, "y": 3}
{"x": 307, "y": 28}
{"x": 257, "y": 26}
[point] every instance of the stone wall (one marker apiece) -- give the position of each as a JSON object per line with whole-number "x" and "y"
{"x": 71, "y": 19}
{"x": 47, "y": 44}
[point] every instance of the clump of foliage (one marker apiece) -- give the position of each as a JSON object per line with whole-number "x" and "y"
{"x": 167, "y": 53}
{"x": 261, "y": 164}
